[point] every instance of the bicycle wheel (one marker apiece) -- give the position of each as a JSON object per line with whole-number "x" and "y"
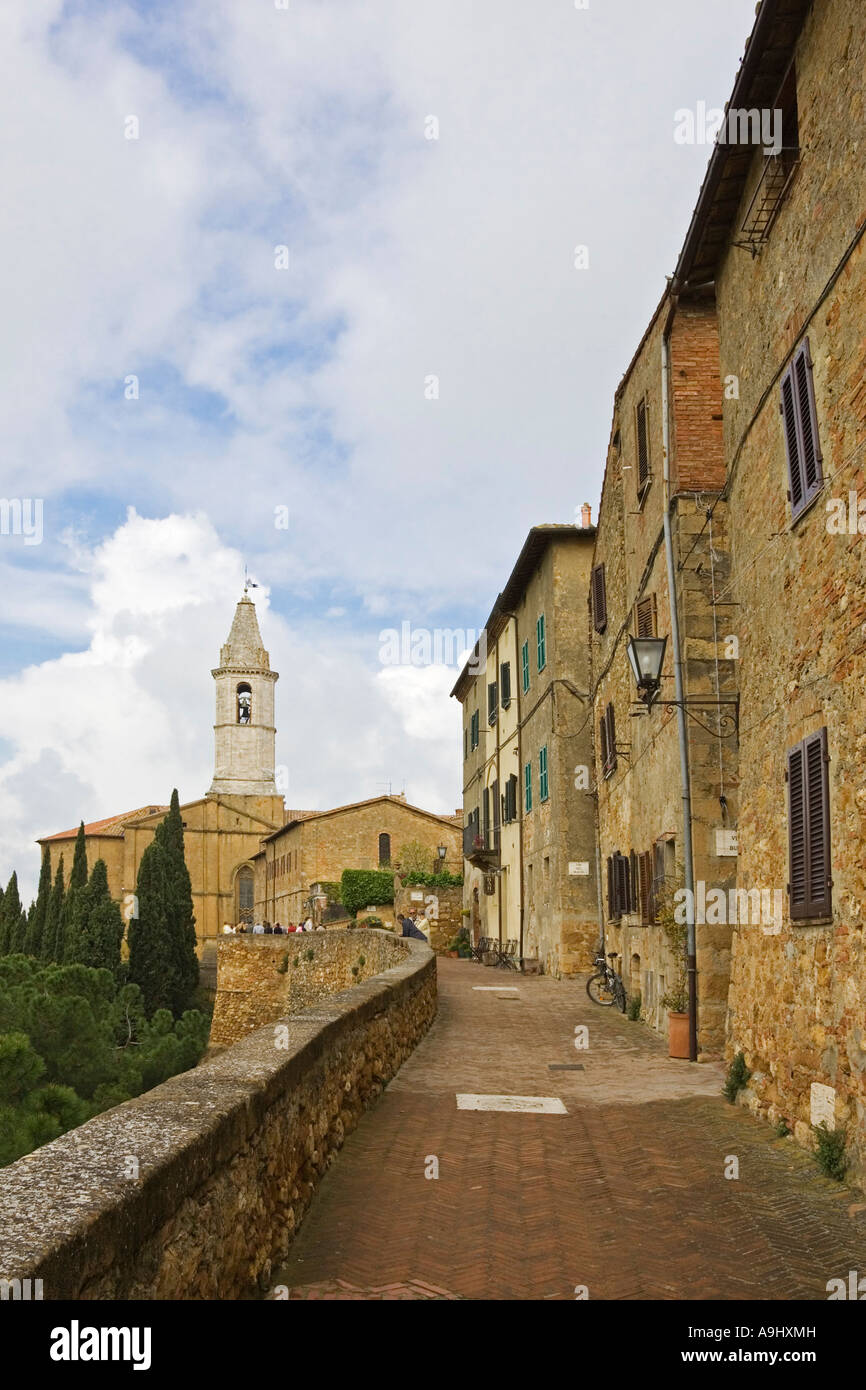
{"x": 619, "y": 995}
{"x": 599, "y": 990}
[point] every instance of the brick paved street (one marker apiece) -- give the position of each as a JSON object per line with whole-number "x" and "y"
{"x": 624, "y": 1194}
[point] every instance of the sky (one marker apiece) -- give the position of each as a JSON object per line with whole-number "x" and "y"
{"x": 295, "y": 285}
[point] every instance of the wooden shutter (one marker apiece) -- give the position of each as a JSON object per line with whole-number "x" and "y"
{"x": 645, "y": 616}
{"x": 611, "y": 897}
{"x": 492, "y": 702}
{"x": 800, "y": 420}
{"x": 642, "y": 444}
{"x": 486, "y": 822}
{"x": 633, "y": 901}
{"x": 621, "y": 884}
{"x": 610, "y": 735}
{"x": 602, "y": 734}
{"x": 599, "y": 599}
{"x": 809, "y": 887}
{"x": 505, "y": 683}
{"x": 645, "y": 872}
{"x": 494, "y": 792}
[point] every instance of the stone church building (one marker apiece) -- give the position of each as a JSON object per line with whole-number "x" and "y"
{"x": 225, "y": 830}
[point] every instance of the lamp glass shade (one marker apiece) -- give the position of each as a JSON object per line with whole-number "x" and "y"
{"x": 443, "y": 850}
{"x": 646, "y": 656}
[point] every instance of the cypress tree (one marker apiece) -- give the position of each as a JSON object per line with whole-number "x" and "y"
{"x": 39, "y": 910}
{"x": 74, "y": 912}
{"x": 150, "y": 945}
{"x": 14, "y": 921}
{"x": 183, "y": 964}
{"x": 52, "y": 937}
{"x": 99, "y": 939}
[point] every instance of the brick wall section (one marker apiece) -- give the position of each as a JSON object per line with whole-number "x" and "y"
{"x": 697, "y": 441}
{"x": 230, "y": 1155}
{"x": 262, "y": 978}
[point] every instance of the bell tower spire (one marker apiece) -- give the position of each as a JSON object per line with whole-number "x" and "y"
{"x": 244, "y": 731}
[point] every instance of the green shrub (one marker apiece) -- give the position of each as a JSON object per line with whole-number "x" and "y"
{"x": 297, "y": 960}
{"x": 366, "y": 888}
{"x": 362, "y": 960}
{"x": 284, "y": 963}
{"x": 440, "y": 880}
{"x": 634, "y": 1007}
{"x": 781, "y": 1130}
{"x": 737, "y": 1078}
{"x": 310, "y": 954}
{"x": 830, "y": 1151}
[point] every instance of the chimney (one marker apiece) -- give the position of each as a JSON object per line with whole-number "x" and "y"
{"x": 586, "y": 515}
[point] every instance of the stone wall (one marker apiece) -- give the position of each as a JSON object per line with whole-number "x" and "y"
{"x": 445, "y": 906}
{"x": 262, "y": 978}
{"x": 195, "y": 1189}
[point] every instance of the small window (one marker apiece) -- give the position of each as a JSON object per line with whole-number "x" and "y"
{"x": 810, "y": 885}
{"x": 474, "y": 731}
{"x": 645, "y": 616}
{"x": 384, "y": 849}
{"x": 524, "y": 661}
{"x": 599, "y": 599}
{"x": 542, "y": 774}
{"x": 505, "y": 684}
{"x": 509, "y": 800}
{"x": 643, "y": 454}
{"x": 527, "y": 787}
{"x": 244, "y": 704}
{"x": 800, "y": 420}
{"x": 492, "y": 703}
{"x": 607, "y": 733}
{"x": 542, "y": 643}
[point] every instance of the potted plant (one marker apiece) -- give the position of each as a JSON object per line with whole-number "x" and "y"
{"x": 675, "y": 999}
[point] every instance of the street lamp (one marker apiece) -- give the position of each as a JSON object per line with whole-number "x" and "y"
{"x": 646, "y": 656}
{"x": 442, "y": 850}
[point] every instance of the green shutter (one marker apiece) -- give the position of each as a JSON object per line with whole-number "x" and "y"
{"x": 539, "y": 632}
{"x": 524, "y": 657}
{"x": 542, "y": 774}
{"x": 527, "y": 783}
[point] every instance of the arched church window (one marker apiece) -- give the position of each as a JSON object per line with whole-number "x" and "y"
{"x": 384, "y": 849}
{"x": 245, "y": 703}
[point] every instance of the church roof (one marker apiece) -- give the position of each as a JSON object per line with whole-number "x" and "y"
{"x": 112, "y": 826}
{"x": 244, "y": 645}
{"x": 293, "y": 817}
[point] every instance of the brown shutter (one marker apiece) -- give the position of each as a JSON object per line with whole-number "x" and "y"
{"x": 645, "y": 616}
{"x": 611, "y": 738}
{"x": 599, "y": 599}
{"x": 602, "y": 731}
{"x": 796, "y": 834}
{"x": 611, "y": 904}
{"x": 800, "y": 420}
{"x": 642, "y": 445}
{"x": 792, "y": 449}
{"x": 645, "y": 889}
{"x": 633, "y": 903}
{"x": 817, "y": 824}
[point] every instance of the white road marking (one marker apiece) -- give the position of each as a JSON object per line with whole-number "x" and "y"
{"x": 534, "y": 1105}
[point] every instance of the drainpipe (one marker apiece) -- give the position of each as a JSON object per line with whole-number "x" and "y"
{"x": 691, "y": 953}
{"x": 497, "y": 809}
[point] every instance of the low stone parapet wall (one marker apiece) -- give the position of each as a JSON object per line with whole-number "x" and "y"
{"x": 195, "y": 1189}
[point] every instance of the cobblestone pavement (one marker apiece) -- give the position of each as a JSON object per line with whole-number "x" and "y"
{"x": 625, "y": 1194}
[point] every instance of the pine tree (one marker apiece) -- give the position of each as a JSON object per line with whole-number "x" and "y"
{"x": 73, "y": 912}
{"x": 39, "y": 910}
{"x": 183, "y": 966}
{"x": 52, "y": 937}
{"x": 150, "y": 945}
{"x": 101, "y": 931}
{"x": 14, "y": 921}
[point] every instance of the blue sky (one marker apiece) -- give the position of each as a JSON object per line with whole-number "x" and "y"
{"x": 261, "y": 388}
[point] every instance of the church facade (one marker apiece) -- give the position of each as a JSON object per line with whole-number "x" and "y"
{"x": 232, "y": 831}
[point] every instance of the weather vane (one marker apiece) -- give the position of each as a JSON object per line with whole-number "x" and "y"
{"x": 248, "y": 583}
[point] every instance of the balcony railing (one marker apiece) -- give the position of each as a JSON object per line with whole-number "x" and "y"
{"x": 480, "y": 847}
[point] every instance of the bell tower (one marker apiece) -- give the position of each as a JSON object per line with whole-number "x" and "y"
{"x": 244, "y": 731}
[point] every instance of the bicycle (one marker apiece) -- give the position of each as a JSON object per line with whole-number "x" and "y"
{"x": 605, "y": 987}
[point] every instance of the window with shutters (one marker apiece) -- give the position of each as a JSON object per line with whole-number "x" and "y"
{"x": 474, "y": 730}
{"x": 494, "y": 794}
{"x": 527, "y": 786}
{"x": 645, "y": 876}
{"x": 541, "y": 640}
{"x": 800, "y": 423}
{"x": 645, "y": 617}
{"x": 505, "y": 683}
{"x": 524, "y": 662}
{"x": 542, "y": 774}
{"x": 599, "y": 599}
{"x": 633, "y": 899}
{"x": 509, "y": 800}
{"x": 607, "y": 732}
{"x": 492, "y": 703}
{"x": 485, "y": 802}
{"x": 643, "y": 454}
{"x": 618, "y": 885}
{"x": 809, "y": 886}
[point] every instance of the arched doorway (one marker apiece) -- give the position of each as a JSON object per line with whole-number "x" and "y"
{"x": 244, "y": 894}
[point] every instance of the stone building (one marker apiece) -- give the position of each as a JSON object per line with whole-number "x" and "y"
{"x": 669, "y": 398}
{"x": 529, "y": 839}
{"x": 316, "y": 846}
{"x": 780, "y": 237}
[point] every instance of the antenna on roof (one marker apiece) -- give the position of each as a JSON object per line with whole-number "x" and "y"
{"x": 385, "y": 784}
{"x": 248, "y": 583}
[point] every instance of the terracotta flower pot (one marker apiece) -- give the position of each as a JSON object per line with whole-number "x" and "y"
{"x": 678, "y": 1036}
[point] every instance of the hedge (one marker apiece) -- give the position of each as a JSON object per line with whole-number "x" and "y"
{"x": 443, "y": 880}
{"x": 366, "y": 888}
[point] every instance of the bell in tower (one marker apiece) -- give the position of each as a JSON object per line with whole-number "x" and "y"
{"x": 244, "y": 731}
